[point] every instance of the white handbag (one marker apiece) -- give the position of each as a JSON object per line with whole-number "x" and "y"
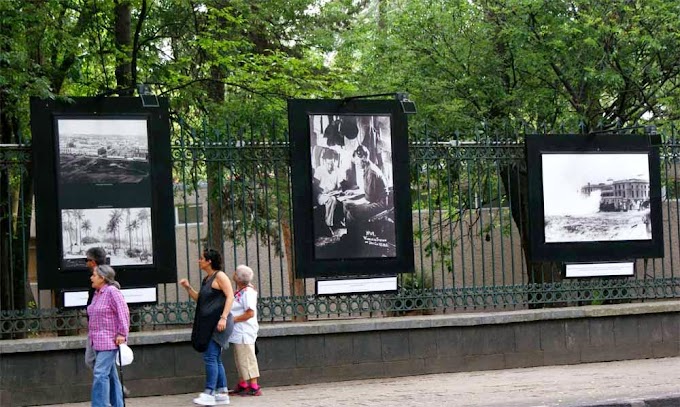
{"x": 125, "y": 355}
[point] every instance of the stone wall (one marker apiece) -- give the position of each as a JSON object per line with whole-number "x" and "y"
{"x": 51, "y": 370}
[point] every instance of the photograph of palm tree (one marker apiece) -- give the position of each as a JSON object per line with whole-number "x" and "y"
{"x": 103, "y": 151}
{"x": 125, "y": 234}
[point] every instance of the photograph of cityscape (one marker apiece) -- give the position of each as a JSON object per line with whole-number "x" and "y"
{"x": 103, "y": 151}
{"x": 596, "y": 197}
{"x": 125, "y": 234}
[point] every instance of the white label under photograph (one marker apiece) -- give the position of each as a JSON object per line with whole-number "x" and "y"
{"x": 357, "y": 285}
{"x": 600, "y": 269}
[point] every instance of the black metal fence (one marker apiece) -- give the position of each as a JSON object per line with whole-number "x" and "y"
{"x": 233, "y": 190}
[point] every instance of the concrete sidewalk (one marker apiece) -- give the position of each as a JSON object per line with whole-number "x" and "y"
{"x": 633, "y": 383}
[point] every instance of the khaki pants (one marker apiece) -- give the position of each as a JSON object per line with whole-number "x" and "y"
{"x": 246, "y": 361}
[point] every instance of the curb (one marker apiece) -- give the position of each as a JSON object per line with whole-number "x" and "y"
{"x": 671, "y": 400}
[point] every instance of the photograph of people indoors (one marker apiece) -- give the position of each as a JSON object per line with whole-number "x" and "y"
{"x": 352, "y": 186}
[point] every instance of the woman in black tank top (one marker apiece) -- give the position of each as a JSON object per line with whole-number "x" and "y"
{"x": 213, "y": 324}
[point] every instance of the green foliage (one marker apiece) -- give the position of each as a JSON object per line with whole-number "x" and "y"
{"x": 598, "y": 297}
{"x": 260, "y": 52}
{"x": 226, "y": 65}
{"x": 553, "y": 63}
{"x": 257, "y": 201}
{"x": 417, "y": 281}
{"x": 557, "y": 63}
{"x": 547, "y": 65}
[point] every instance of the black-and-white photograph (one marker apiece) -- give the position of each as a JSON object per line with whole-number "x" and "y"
{"x": 596, "y": 197}
{"x": 125, "y": 234}
{"x": 103, "y": 151}
{"x": 352, "y": 186}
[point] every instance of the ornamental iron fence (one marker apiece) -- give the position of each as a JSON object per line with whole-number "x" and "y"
{"x": 233, "y": 190}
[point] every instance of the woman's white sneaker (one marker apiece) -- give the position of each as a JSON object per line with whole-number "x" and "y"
{"x": 205, "y": 399}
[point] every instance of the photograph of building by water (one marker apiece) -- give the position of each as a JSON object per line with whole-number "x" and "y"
{"x": 596, "y": 197}
{"x": 103, "y": 151}
{"x": 620, "y": 195}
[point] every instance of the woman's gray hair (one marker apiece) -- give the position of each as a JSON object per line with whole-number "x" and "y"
{"x": 108, "y": 274}
{"x": 244, "y": 274}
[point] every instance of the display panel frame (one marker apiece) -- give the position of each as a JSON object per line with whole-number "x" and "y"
{"x": 54, "y": 196}
{"x": 370, "y": 227}
{"x": 604, "y": 161}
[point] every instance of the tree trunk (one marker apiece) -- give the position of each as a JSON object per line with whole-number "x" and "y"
{"x": 296, "y": 285}
{"x": 215, "y": 232}
{"x": 215, "y": 90}
{"x": 516, "y": 186}
{"x": 22, "y": 237}
{"x": 5, "y": 138}
{"x": 382, "y": 11}
{"x": 6, "y": 290}
{"x": 14, "y": 234}
{"x": 122, "y": 31}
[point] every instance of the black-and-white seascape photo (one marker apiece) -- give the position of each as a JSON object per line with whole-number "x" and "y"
{"x": 596, "y": 197}
{"x": 103, "y": 151}
{"x": 352, "y": 186}
{"x": 125, "y": 234}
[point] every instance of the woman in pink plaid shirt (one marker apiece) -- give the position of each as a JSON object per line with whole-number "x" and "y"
{"x": 109, "y": 324}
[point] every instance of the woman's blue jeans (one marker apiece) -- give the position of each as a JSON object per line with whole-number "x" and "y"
{"x": 106, "y": 388}
{"x": 215, "y": 378}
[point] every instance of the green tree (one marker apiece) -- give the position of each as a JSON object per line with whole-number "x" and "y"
{"x": 552, "y": 63}
{"x": 581, "y": 65}
{"x": 43, "y": 44}
{"x": 251, "y": 55}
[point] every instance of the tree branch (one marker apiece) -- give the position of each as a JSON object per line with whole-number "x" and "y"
{"x": 237, "y": 85}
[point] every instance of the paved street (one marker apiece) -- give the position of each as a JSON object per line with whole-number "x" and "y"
{"x": 613, "y": 384}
